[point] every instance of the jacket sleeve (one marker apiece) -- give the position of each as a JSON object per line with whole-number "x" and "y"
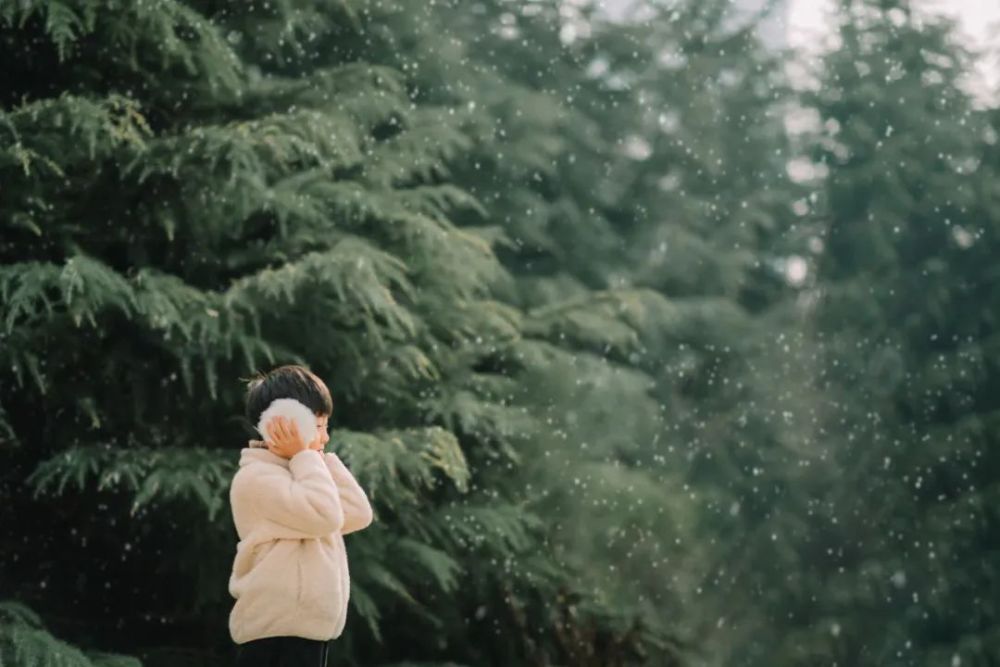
{"x": 357, "y": 510}
{"x": 305, "y": 501}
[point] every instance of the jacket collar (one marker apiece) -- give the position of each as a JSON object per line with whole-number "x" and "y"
{"x": 258, "y": 451}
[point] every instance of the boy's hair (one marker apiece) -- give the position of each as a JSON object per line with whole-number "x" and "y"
{"x": 291, "y": 381}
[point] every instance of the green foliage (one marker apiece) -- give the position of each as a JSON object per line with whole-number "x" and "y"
{"x": 539, "y": 257}
{"x": 38, "y": 134}
{"x": 454, "y": 245}
{"x": 181, "y": 36}
{"x": 879, "y": 534}
{"x": 196, "y": 475}
{"x": 25, "y": 642}
{"x": 402, "y": 464}
{"x": 222, "y": 214}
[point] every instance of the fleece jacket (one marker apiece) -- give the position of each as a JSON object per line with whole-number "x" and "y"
{"x": 290, "y": 574}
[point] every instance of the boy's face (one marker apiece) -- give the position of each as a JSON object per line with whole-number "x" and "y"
{"x": 323, "y": 436}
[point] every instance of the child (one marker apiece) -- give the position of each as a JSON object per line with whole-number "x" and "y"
{"x": 292, "y": 504}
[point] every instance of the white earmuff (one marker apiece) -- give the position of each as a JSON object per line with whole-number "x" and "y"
{"x": 294, "y": 410}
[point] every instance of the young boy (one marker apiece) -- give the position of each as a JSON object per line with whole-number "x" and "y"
{"x": 292, "y": 504}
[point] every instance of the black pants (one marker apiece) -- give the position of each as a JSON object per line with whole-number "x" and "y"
{"x": 282, "y": 652}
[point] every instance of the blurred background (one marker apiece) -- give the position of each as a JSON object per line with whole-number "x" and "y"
{"x": 659, "y": 333}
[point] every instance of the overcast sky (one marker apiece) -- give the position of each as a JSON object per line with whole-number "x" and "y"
{"x": 808, "y": 23}
{"x": 979, "y": 21}
{"x": 978, "y": 17}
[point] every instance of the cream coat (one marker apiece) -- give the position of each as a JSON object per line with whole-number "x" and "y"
{"x": 290, "y": 574}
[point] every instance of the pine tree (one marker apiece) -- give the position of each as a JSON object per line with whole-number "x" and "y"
{"x": 194, "y": 191}
{"x": 888, "y": 529}
{"x": 712, "y": 200}
{"x": 585, "y": 211}
{"x": 524, "y": 138}
{"x": 537, "y": 255}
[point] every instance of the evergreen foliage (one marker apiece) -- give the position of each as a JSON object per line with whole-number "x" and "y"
{"x": 24, "y": 641}
{"x": 902, "y": 324}
{"x": 234, "y": 204}
{"x": 542, "y": 258}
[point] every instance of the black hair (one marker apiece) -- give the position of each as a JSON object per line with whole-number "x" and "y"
{"x": 291, "y": 381}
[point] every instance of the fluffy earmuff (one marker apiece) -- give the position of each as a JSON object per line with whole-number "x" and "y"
{"x": 294, "y": 410}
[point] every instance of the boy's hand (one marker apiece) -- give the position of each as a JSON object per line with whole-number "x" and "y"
{"x": 285, "y": 440}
